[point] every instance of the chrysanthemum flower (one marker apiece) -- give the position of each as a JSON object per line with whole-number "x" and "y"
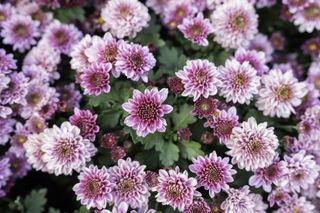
{"x": 176, "y": 11}
{"x": 94, "y": 187}
{"x": 280, "y": 92}
{"x": 308, "y": 19}
{"x": 65, "y": 150}
{"x": 125, "y": 17}
{"x": 297, "y": 204}
{"x": 134, "y": 61}
{"x": 314, "y": 75}
{"x": 20, "y": 32}
{"x": 61, "y": 36}
{"x": 200, "y": 78}
{"x": 239, "y": 82}
{"x": 86, "y": 121}
{"x": 129, "y": 185}
{"x": 265, "y": 3}
{"x": 261, "y": 43}
{"x": 252, "y": 145}
{"x": 312, "y": 46}
{"x": 18, "y": 164}
{"x": 175, "y": 85}
{"x": 5, "y": 111}
{"x": 213, "y": 172}
{"x": 49, "y": 3}
{"x": 36, "y": 124}
{"x": 223, "y": 123}
{"x": 239, "y": 201}
{"x": 104, "y": 50}
{"x": 117, "y": 153}
{"x": 278, "y": 196}
{"x": 4, "y": 83}
{"x": 234, "y": 23}
{"x": 198, "y": 205}
{"x": 33, "y": 151}
{"x": 95, "y": 79}
{"x": 108, "y": 141}
{"x": 176, "y": 189}
{"x": 277, "y": 41}
{"x": 7, "y": 62}
{"x": 6, "y": 11}
{"x": 296, "y": 5}
{"x": 16, "y": 90}
{"x": 256, "y": 59}
{"x": 19, "y": 137}
{"x": 151, "y": 179}
{"x": 196, "y": 29}
{"x": 5, "y": 171}
{"x": 205, "y": 107}
{"x": 272, "y": 174}
{"x": 303, "y": 171}
{"x": 147, "y": 111}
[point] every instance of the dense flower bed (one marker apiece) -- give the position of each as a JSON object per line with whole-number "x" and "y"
{"x": 160, "y": 106}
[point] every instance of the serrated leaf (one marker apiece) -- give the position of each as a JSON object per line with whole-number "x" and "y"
{"x": 69, "y": 14}
{"x": 154, "y": 140}
{"x": 170, "y": 60}
{"x": 169, "y": 154}
{"x": 35, "y": 201}
{"x": 190, "y": 149}
{"x": 184, "y": 117}
{"x": 109, "y": 119}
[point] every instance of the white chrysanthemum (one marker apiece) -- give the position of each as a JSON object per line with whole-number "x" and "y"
{"x": 65, "y": 150}
{"x": 252, "y": 145}
{"x": 235, "y": 23}
{"x": 125, "y": 17}
{"x": 280, "y": 93}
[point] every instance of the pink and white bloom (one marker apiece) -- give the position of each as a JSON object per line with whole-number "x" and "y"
{"x": 176, "y": 189}
{"x": 280, "y": 93}
{"x": 146, "y": 111}
{"x": 252, "y": 145}
{"x": 200, "y": 78}
{"x": 308, "y": 19}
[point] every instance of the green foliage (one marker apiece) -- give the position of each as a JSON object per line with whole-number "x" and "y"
{"x": 183, "y": 117}
{"x": 170, "y": 60}
{"x": 35, "y": 201}
{"x": 82, "y": 209}
{"x": 190, "y": 149}
{"x": 69, "y": 14}
{"x": 169, "y": 154}
{"x": 52, "y": 210}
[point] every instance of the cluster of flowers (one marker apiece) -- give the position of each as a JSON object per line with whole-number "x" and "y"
{"x": 254, "y": 76}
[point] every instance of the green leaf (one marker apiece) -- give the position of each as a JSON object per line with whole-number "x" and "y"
{"x": 190, "y": 149}
{"x": 109, "y": 119}
{"x": 169, "y": 154}
{"x": 52, "y": 210}
{"x": 69, "y": 14}
{"x": 35, "y": 201}
{"x": 170, "y": 60}
{"x": 82, "y": 209}
{"x": 154, "y": 140}
{"x": 184, "y": 117}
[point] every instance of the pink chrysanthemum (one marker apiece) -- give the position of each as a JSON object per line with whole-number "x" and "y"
{"x": 176, "y": 189}
{"x": 272, "y": 174}
{"x": 147, "y": 111}
{"x": 239, "y": 82}
{"x": 234, "y": 23}
{"x": 65, "y": 150}
{"x": 129, "y": 185}
{"x": 6, "y": 12}
{"x": 239, "y": 200}
{"x": 308, "y": 19}
{"x": 94, "y": 187}
{"x": 265, "y": 3}
{"x": 256, "y": 59}
{"x": 79, "y": 60}
{"x": 277, "y": 40}
{"x": 223, "y": 123}
{"x": 196, "y": 29}
{"x": 61, "y": 36}
{"x": 158, "y": 5}
{"x": 176, "y": 11}
{"x": 213, "y": 172}
{"x": 297, "y": 204}
{"x": 198, "y": 205}
{"x": 175, "y": 85}
{"x": 117, "y": 153}
{"x": 303, "y": 171}
{"x": 36, "y": 124}
{"x": 7, "y": 62}
{"x": 296, "y": 5}
{"x": 252, "y": 145}
{"x": 278, "y": 196}
{"x": 134, "y": 61}
{"x": 200, "y": 78}
{"x": 280, "y": 92}
{"x": 314, "y": 74}
{"x": 261, "y": 43}
{"x": 205, "y": 107}
{"x": 95, "y": 79}
{"x": 33, "y": 151}
{"x": 20, "y": 32}
{"x": 86, "y": 122}
{"x": 312, "y": 47}
{"x": 104, "y": 50}
{"x": 125, "y": 17}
